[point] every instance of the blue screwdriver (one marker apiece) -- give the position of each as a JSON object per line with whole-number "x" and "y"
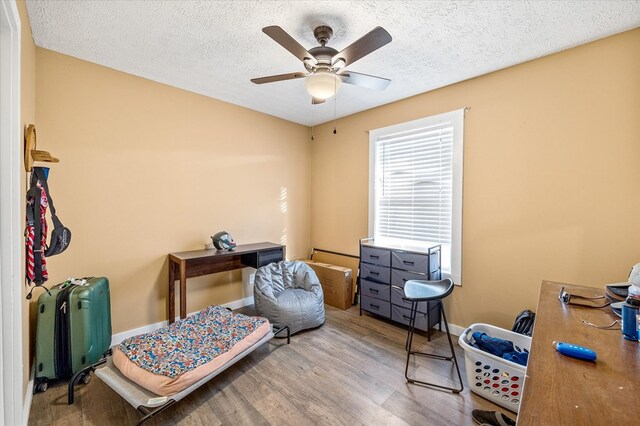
{"x": 575, "y": 351}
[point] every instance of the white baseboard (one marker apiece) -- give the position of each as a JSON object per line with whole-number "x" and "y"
{"x": 456, "y": 330}
{"x": 28, "y": 397}
{"x": 116, "y": 339}
{"x": 236, "y": 304}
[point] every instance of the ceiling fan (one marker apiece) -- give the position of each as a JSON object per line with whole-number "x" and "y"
{"x": 325, "y": 65}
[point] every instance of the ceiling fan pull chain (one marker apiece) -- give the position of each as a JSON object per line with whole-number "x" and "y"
{"x": 335, "y": 103}
{"x": 312, "y": 138}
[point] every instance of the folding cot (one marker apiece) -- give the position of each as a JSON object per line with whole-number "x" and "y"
{"x": 149, "y": 403}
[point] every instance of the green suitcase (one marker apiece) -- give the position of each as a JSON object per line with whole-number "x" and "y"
{"x": 73, "y": 329}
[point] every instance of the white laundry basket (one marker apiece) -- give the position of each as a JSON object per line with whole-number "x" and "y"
{"x": 491, "y": 377}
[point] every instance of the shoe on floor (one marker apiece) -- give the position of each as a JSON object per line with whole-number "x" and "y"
{"x": 491, "y": 418}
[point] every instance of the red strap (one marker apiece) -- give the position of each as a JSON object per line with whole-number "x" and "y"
{"x": 30, "y": 259}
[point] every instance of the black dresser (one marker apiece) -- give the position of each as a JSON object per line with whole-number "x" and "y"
{"x": 383, "y": 271}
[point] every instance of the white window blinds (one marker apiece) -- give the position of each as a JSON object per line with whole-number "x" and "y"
{"x": 416, "y": 185}
{"x": 413, "y": 184}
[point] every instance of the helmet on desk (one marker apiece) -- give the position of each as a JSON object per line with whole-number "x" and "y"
{"x": 223, "y": 241}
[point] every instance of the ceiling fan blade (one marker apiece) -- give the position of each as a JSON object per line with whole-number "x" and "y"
{"x": 316, "y": 101}
{"x": 366, "y": 44}
{"x": 364, "y": 80}
{"x": 281, "y": 37}
{"x": 279, "y": 77}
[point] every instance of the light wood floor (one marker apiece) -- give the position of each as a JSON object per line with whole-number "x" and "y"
{"x": 349, "y": 371}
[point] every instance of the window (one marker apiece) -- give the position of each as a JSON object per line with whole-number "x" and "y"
{"x": 415, "y": 186}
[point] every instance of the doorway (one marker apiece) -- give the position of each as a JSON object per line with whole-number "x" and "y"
{"x": 11, "y": 392}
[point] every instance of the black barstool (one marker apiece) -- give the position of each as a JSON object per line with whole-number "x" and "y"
{"x": 417, "y": 291}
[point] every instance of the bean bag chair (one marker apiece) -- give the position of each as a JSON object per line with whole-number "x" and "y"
{"x": 289, "y": 293}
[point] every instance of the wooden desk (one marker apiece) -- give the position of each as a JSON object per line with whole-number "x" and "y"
{"x": 565, "y": 391}
{"x": 188, "y": 264}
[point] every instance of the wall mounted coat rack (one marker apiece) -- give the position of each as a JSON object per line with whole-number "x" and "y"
{"x": 31, "y": 154}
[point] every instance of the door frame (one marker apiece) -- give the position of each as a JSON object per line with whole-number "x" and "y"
{"x": 11, "y": 240}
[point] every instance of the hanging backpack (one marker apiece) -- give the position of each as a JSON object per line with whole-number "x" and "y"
{"x": 37, "y": 250}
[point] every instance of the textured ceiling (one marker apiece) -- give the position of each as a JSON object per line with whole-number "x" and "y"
{"x": 215, "y": 47}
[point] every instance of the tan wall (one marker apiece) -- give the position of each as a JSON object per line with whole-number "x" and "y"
{"x": 551, "y": 178}
{"x": 28, "y": 115}
{"x": 147, "y": 169}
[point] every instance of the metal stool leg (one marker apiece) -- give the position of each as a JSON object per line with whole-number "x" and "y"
{"x": 453, "y": 353}
{"x": 451, "y": 358}
{"x": 412, "y": 323}
{"x": 412, "y": 316}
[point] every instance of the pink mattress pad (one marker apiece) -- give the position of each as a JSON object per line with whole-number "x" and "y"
{"x": 175, "y": 357}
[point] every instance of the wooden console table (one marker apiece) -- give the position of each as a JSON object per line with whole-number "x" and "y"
{"x": 189, "y": 264}
{"x": 565, "y": 391}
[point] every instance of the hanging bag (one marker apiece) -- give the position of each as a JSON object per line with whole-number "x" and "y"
{"x": 37, "y": 250}
{"x": 61, "y": 235}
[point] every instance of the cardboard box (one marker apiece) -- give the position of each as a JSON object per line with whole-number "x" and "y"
{"x": 340, "y": 260}
{"x": 336, "y": 283}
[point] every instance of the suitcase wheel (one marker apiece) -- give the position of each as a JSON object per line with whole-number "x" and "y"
{"x": 84, "y": 379}
{"x": 40, "y": 387}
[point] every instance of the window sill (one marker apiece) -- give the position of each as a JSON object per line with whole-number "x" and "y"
{"x": 457, "y": 280}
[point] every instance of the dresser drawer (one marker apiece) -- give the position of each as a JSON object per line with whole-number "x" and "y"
{"x": 377, "y": 256}
{"x": 409, "y": 261}
{"x": 403, "y": 315}
{"x": 375, "y": 290}
{"x": 397, "y": 298}
{"x": 375, "y": 273}
{"x": 375, "y": 306}
{"x": 398, "y": 278}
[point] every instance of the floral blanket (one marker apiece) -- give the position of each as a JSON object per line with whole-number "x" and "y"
{"x": 189, "y": 343}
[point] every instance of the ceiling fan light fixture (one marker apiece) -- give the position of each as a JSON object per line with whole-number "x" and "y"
{"x": 322, "y": 84}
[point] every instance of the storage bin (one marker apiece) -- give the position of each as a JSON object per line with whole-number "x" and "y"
{"x": 496, "y": 379}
